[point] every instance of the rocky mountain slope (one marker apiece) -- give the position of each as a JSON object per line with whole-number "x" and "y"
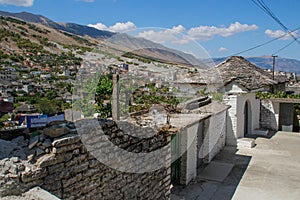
{"x": 20, "y": 39}
{"x": 117, "y": 43}
{"x": 68, "y": 27}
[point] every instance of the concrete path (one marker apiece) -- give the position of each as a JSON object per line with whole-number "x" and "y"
{"x": 274, "y": 170}
{"x": 270, "y": 170}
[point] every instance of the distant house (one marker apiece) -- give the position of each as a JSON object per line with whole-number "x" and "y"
{"x": 4, "y": 86}
{"x": 28, "y": 88}
{"x": 5, "y": 107}
{"x": 69, "y": 98}
{"x": 242, "y": 80}
{"x": 124, "y": 66}
{"x": 45, "y": 76}
{"x": 9, "y": 73}
{"x": 8, "y": 99}
{"x": 25, "y": 109}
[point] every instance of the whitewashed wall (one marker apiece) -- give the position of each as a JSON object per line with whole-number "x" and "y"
{"x": 214, "y": 136}
{"x": 188, "y": 148}
{"x": 213, "y": 132}
{"x": 192, "y": 152}
{"x": 235, "y": 121}
{"x": 255, "y": 110}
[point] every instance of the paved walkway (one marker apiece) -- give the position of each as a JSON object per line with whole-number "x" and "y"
{"x": 270, "y": 170}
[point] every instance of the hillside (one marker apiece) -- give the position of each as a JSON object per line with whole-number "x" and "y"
{"x": 128, "y": 45}
{"x": 68, "y": 27}
{"x": 116, "y": 43}
{"x": 19, "y": 36}
{"x": 282, "y": 64}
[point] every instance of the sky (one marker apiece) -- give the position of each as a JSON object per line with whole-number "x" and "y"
{"x": 220, "y": 28}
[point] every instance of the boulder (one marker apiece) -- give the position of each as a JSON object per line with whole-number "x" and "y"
{"x": 9, "y": 149}
{"x": 65, "y": 140}
{"x": 48, "y": 160}
{"x": 47, "y": 143}
{"x": 42, "y": 137}
{"x": 56, "y": 131}
{"x": 19, "y": 141}
{"x": 39, "y": 151}
{"x": 33, "y": 142}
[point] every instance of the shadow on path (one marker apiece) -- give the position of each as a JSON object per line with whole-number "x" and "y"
{"x": 217, "y": 180}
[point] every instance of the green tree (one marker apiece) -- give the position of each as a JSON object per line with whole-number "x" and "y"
{"x": 3, "y": 119}
{"x": 104, "y": 92}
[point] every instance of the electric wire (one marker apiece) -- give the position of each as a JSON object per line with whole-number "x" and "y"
{"x": 265, "y": 43}
{"x": 281, "y": 49}
{"x": 262, "y": 5}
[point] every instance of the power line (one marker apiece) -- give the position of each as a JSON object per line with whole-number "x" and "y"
{"x": 265, "y": 43}
{"x": 284, "y": 47}
{"x": 273, "y": 66}
{"x": 262, "y": 5}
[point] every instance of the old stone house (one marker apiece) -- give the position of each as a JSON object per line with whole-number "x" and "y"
{"x": 242, "y": 80}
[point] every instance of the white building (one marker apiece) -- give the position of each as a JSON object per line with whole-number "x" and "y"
{"x": 242, "y": 80}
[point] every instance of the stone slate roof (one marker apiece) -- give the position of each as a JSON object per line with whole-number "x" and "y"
{"x": 246, "y": 74}
{"x": 27, "y": 108}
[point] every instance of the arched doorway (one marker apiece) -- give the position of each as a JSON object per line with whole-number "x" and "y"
{"x": 247, "y": 118}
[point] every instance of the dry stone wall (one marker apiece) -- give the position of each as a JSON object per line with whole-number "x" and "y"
{"x": 269, "y": 114}
{"x": 59, "y": 162}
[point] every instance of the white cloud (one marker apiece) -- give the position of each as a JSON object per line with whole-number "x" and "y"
{"x": 202, "y": 33}
{"x": 88, "y": 1}
{"x": 222, "y": 49}
{"x": 122, "y": 27}
{"x": 175, "y": 34}
{"x": 25, "y": 3}
{"x": 162, "y": 36}
{"x": 280, "y": 33}
{"x": 208, "y": 32}
{"x": 99, "y": 26}
{"x": 118, "y": 27}
{"x": 197, "y": 33}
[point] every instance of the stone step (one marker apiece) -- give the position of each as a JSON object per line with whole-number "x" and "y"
{"x": 260, "y": 132}
{"x": 245, "y": 143}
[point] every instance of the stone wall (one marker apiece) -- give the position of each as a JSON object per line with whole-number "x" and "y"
{"x": 231, "y": 126}
{"x": 269, "y": 114}
{"x": 60, "y": 161}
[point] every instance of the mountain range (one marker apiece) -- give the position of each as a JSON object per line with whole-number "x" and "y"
{"x": 123, "y": 43}
{"x": 68, "y": 27}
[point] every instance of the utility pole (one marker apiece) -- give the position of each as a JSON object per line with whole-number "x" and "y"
{"x": 115, "y": 98}
{"x": 274, "y": 66}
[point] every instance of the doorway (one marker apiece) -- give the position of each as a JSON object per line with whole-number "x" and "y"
{"x": 247, "y": 118}
{"x": 175, "y": 157}
{"x": 286, "y": 117}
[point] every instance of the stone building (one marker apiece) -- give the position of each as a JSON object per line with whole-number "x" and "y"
{"x": 242, "y": 80}
{"x": 201, "y": 135}
{"x": 279, "y": 114}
